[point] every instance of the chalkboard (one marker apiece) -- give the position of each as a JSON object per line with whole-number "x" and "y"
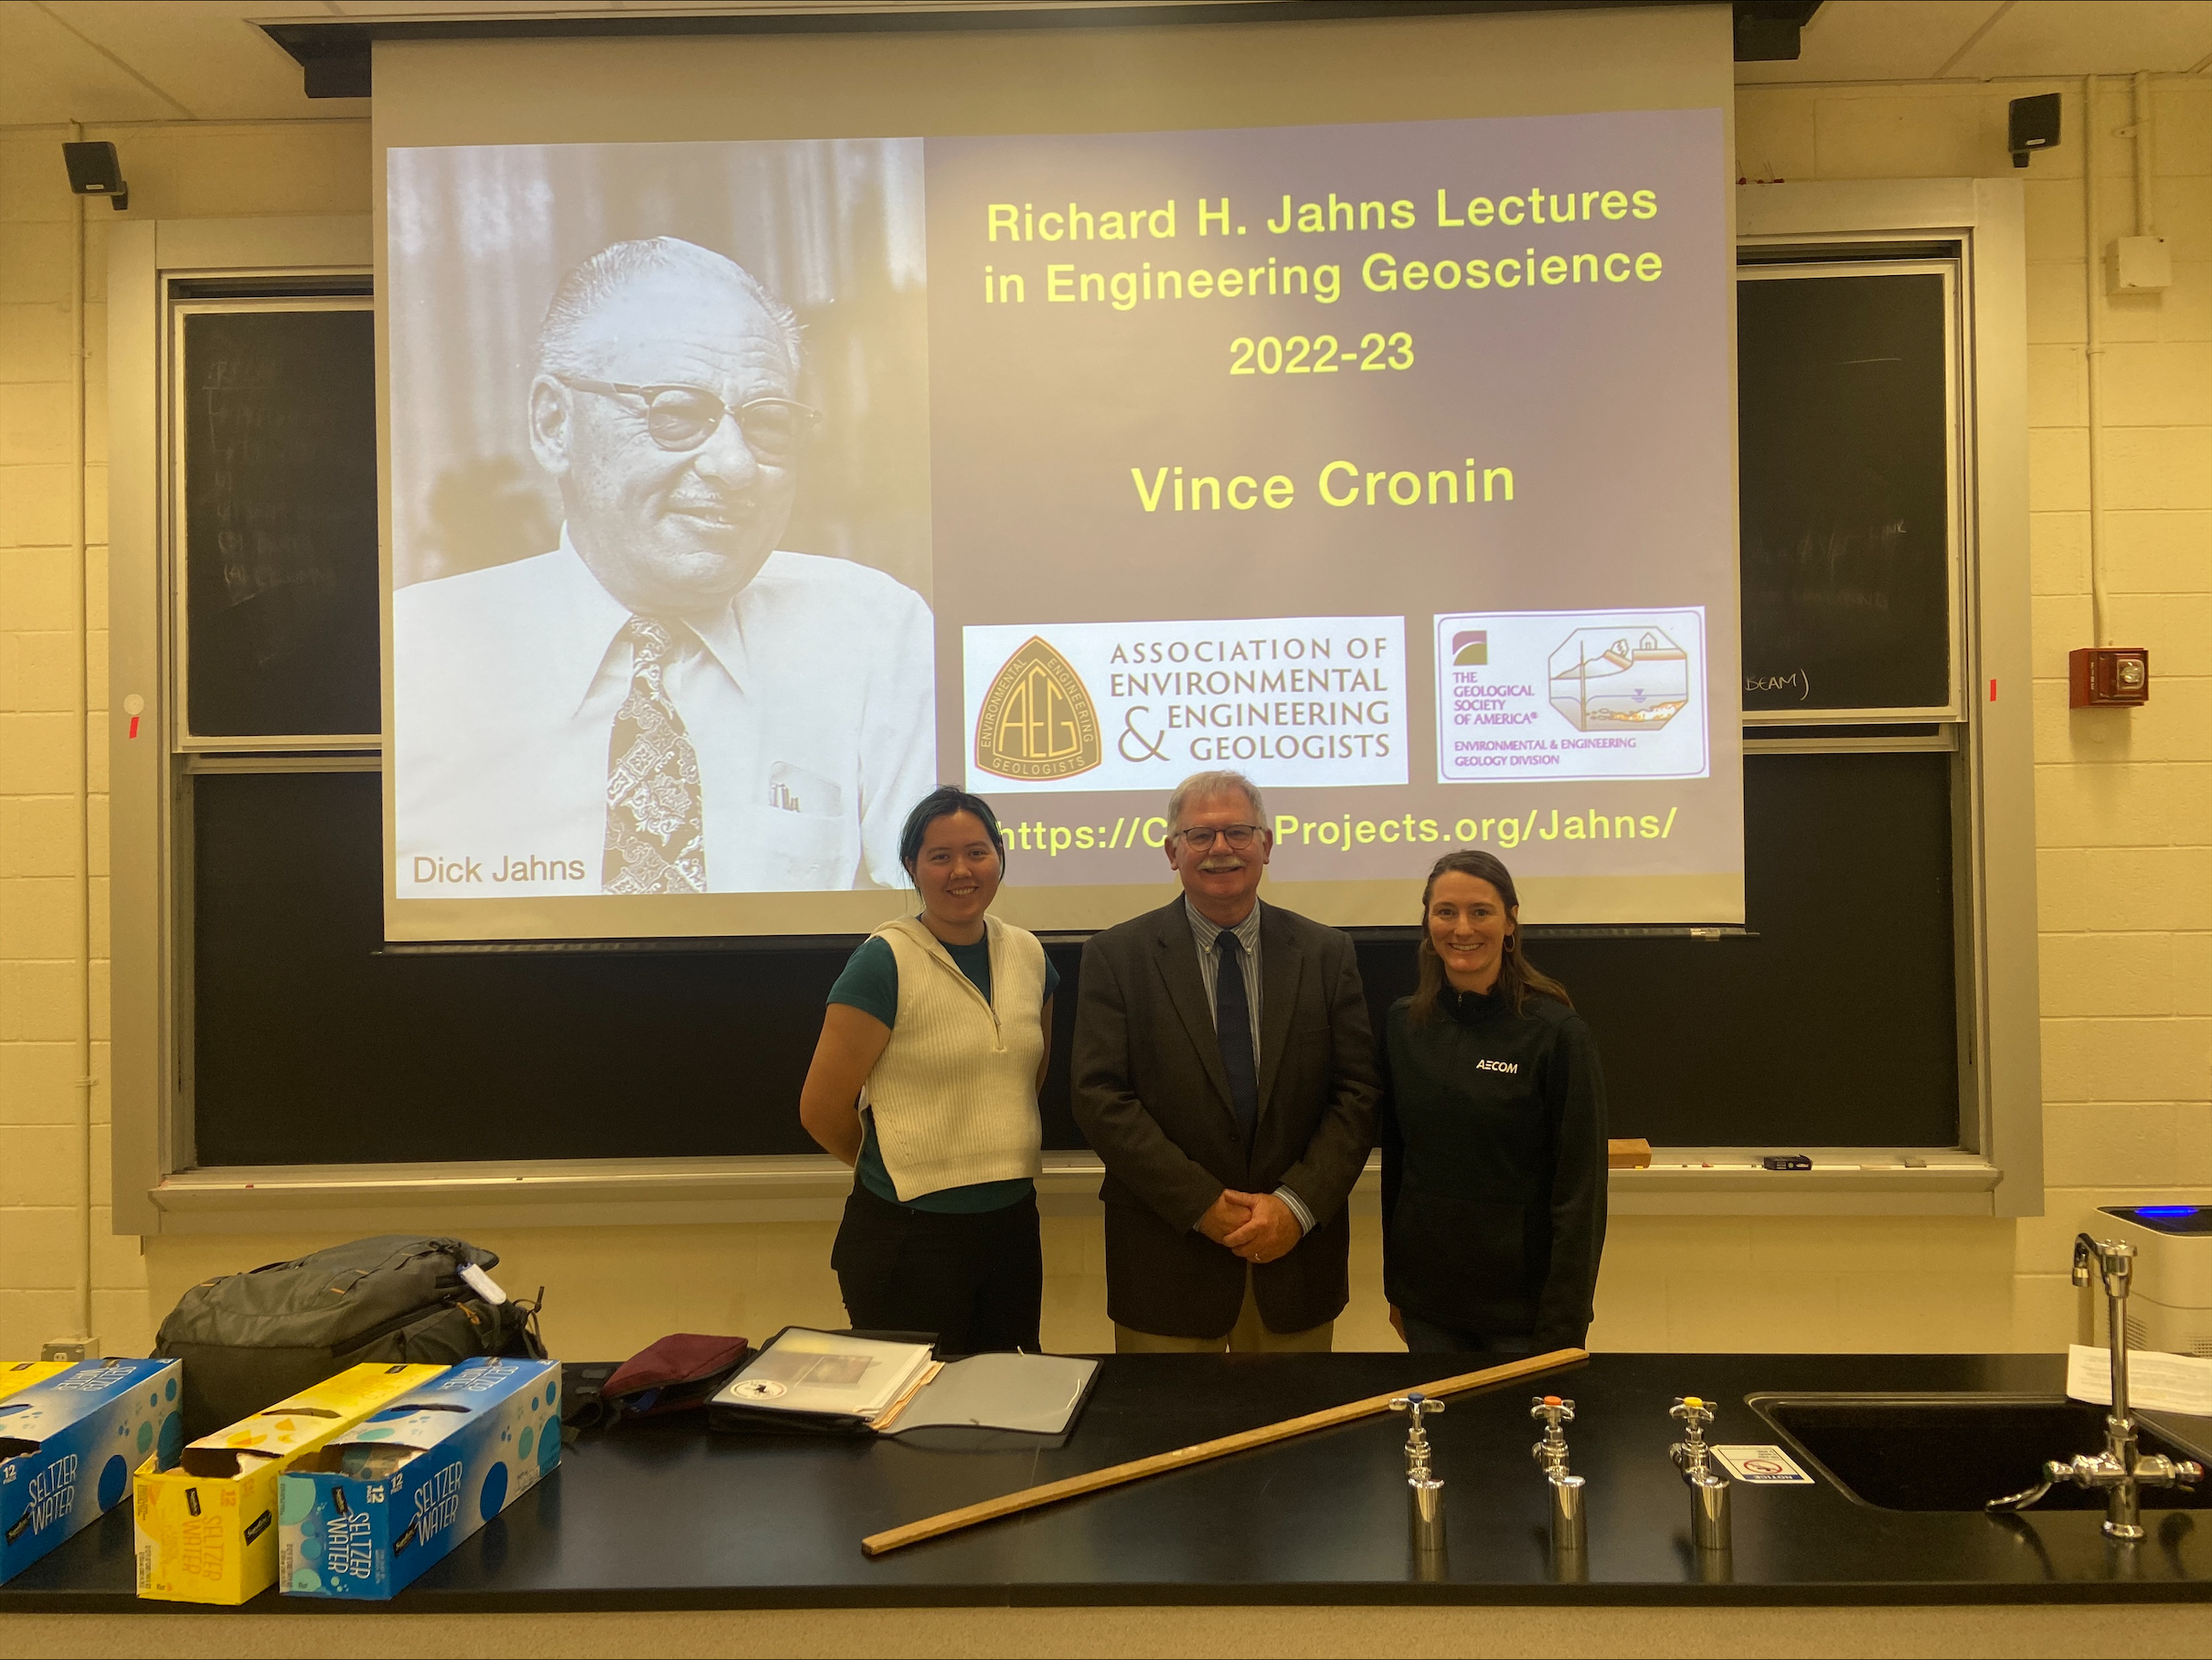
{"x": 314, "y": 1045}
{"x": 278, "y": 417}
{"x": 1833, "y": 1027}
{"x": 1844, "y": 499}
{"x": 1843, "y": 493}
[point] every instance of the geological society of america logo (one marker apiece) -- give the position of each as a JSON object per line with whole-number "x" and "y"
{"x": 1037, "y": 718}
{"x": 1570, "y": 694}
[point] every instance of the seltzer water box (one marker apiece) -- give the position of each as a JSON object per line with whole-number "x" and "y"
{"x": 69, "y": 1443}
{"x": 206, "y": 1529}
{"x": 367, "y": 1511}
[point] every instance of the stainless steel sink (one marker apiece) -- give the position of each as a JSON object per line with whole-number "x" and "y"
{"x": 1957, "y": 1452}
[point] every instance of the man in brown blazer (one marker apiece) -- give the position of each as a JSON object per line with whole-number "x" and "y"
{"x": 1225, "y": 1072}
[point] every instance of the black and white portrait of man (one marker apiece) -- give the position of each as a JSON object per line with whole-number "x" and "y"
{"x": 666, "y": 697}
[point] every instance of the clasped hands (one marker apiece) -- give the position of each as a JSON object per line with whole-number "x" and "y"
{"x": 1257, "y": 1226}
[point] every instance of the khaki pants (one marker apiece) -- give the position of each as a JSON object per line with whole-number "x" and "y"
{"x": 1250, "y": 1336}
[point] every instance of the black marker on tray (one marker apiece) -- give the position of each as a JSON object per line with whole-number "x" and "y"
{"x": 1787, "y": 1161}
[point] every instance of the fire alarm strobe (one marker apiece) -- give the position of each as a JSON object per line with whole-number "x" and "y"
{"x": 2108, "y": 677}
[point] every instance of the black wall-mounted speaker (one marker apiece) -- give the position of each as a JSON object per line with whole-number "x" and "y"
{"x": 2032, "y": 125}
{"x": 95, "y": 171}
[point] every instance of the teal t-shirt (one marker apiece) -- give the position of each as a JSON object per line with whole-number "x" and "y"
{"x": 870, "y": 983}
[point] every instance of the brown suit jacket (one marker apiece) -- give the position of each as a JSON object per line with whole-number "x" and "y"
{"x": 1153, "y": 1099}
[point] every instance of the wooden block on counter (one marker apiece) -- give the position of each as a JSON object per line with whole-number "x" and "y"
{"x": 1631, "y": 1154}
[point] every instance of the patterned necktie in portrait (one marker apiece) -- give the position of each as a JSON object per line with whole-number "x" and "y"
{"x": 656, "y": 840}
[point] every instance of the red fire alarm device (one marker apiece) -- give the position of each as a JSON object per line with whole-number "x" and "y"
{"x": 2108, "y": 677}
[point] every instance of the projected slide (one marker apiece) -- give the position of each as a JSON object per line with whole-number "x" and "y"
{"x": 740, "y": 493}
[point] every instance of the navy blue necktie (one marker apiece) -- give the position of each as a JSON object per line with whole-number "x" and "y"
{"x": 1233, "y": 1028}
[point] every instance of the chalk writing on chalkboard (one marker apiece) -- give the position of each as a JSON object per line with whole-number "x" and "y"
{"x": 279, "y": 522}
{"x": 1844, "y": 445}
{"x": 262, "y": 544}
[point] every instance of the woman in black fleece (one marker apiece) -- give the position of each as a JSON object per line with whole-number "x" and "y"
{"x": 1492, "y": 1132}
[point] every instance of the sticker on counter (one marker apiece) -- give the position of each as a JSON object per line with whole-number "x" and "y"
{"x": 1767, "y": 1465}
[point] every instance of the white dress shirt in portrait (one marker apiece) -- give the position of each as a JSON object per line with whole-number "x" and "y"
{"x": 809, "y": 701}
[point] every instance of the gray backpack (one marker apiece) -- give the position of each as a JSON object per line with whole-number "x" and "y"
{"x": 248, "y": 1340}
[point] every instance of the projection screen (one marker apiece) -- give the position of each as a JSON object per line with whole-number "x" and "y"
{"x": 775, "y": 427}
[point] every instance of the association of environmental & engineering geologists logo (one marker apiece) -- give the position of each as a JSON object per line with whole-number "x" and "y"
{"x": 1037, "y": 718}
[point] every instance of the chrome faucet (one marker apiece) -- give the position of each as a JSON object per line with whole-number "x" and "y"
{"x": 1425, "y": 1491}
{"x": 1708, "y": 1485}
{"x": 2119, "y": 1471}
{"x": 1570, "y": 1530}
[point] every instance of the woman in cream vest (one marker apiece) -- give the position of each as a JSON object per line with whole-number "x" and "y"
{"x": 925, "y": 1082}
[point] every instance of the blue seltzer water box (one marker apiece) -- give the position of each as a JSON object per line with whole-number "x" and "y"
{"x": 69, "y": 1443}
{"x": 363, "y": 1515}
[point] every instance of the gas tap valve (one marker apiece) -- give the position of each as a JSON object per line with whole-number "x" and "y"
{"x": 1416, "y": 1406}
{"x": 1708, "y": 1483}
{"x": 1551, "y": 1413}
{"x": 1570, "y": 1530}
{"x": 1691, "y": 1453}
{"x": 1424, "y": 1490}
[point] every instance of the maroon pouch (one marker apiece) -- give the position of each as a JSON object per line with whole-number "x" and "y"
{"x": 677, "y": 1373}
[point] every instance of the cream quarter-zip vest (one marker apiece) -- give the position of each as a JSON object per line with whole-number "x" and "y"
{"x": 955, "y": 1092}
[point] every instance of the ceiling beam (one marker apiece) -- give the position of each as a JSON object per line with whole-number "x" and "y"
{"x": 334, "y": 57}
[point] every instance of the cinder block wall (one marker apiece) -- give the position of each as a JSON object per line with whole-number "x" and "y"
{"x": 2125, "y": 800}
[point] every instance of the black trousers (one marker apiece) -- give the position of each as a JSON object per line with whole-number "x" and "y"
{"x": 1427, "y": 1338}
{"x": 978, "y": 1281}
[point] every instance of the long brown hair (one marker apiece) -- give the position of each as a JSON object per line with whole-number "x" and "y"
{"x": 1518, "y": 976}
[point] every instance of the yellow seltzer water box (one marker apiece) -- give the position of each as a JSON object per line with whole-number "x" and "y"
{"x": 207, "y": 1530}
{"x": 21, "y": 1374}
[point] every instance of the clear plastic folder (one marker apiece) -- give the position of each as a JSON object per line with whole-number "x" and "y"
{"x": 889, "y": 1383}
{"x": 1031, "y": 1394}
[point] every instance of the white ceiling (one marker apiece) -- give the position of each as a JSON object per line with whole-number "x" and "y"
{"x": 1989, "y": 40}
{"x": 160, "y": 60}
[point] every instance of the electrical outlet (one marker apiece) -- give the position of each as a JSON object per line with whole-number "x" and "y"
{"x": 70, "y": 1348}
